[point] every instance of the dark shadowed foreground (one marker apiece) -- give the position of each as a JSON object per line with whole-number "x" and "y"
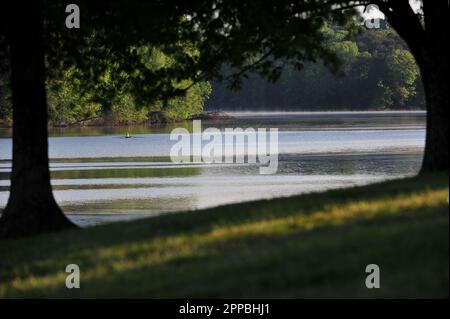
{"x": 314, "y": 245}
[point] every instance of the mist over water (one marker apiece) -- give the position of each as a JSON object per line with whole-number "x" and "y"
{"x": 100, "y": 176}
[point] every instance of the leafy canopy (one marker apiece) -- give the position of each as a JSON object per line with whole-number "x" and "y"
{"x": 245, "y": 35}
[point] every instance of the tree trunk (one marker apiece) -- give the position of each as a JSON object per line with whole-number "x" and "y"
{"x": 435, "y": 77}
{"x": 31, "y": 207}
{"x": 428, "y": 40}
{"x": 433, "y": 64}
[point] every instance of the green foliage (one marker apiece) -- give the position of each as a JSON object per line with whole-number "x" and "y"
{"x": 121, "y": 58}
{"x": 233, "y": 33}
{"x": 189, "y": 105}
{"x": 403, "y": 75}
{"x": 376, "y": 71}
{"x": 125, "y": 111}
{"x": 68, "y": 103}
{"x": 5, "y": 99}
{"x": 183, "y": 106}
{"x": 347, "y": 50}
{"x": 73, "y": 101}
{"x": 120, "y": 102}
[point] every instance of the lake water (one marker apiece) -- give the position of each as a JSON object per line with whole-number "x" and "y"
{"x": 99, "y": 176}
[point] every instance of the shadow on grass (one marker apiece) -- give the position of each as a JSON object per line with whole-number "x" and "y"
{"x": 326, "y": 263}
{"x": 208, "y": 254}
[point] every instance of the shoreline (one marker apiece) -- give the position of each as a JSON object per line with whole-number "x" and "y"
{"x": 220, "y": 115}
{"x": 260, "y": 113}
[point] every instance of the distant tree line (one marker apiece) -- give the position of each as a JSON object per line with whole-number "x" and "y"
{"x": 378, "y": 72}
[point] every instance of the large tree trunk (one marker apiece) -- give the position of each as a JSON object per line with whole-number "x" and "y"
{"x": 428, "y": 43}
{"x": 435, "y": 77}
{"x": 31, "y": 207}
{"x": 433, "y": 63}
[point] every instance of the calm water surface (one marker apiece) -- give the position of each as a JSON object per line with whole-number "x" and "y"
{"x": 99, "y": 176}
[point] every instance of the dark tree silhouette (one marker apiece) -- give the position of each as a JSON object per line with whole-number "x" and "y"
{"x": 245, "y": 35}
{"x": 31, "y": 207}
{"x": 427, "y": 38}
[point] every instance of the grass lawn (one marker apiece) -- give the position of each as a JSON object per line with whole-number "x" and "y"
{"x": 315, "y": 245}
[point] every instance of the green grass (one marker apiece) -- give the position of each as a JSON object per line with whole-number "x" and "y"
{"x": 315, "y": 245}
{"x": 120, "y": 173}
{"x": 112, "y": 159}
